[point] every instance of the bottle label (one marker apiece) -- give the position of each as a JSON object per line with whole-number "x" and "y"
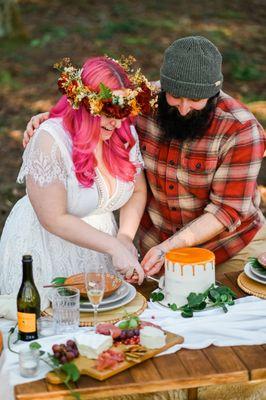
{"x": 26, "y": 322}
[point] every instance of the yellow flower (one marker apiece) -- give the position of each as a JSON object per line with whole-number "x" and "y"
{"x": 96, "y": 106}
{"x": 135, "y": 108}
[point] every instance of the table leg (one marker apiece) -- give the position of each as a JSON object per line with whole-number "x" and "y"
{"x": 192, "y": 394}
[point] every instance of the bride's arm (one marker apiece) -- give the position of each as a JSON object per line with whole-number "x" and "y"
{"x": 132, "y": 211}
{"x": 50, "y": 204}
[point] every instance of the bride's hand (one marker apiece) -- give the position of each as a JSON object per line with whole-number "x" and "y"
{"x": 126, "y": 240}
{"x": 126, "y": 263}
{"x": 32, "y": 125}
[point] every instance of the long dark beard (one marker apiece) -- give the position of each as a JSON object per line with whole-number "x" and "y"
{"x": 190, "y": 127}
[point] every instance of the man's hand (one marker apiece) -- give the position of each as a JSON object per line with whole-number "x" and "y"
{"x": 153, "y": 260}
{"x": 32, "y": 125}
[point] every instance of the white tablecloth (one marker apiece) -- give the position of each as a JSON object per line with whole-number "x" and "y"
{"x": 244, "y": 324}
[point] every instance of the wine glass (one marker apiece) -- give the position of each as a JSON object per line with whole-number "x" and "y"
{"x": 95, "y": 286}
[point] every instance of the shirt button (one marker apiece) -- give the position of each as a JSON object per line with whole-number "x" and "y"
{"x": 173, "y": 208}
{"x": 171, "y": 187}
{"x": 198, "y": 165}
{"x": 171, "y": 162}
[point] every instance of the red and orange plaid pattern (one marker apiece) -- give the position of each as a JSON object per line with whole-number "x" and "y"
{"x": 215, "y": 174}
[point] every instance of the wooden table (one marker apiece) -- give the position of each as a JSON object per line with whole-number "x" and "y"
{"x": 188, "y": 369}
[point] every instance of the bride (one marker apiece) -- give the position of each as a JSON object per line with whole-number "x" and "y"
{"x": 82, "y": 164}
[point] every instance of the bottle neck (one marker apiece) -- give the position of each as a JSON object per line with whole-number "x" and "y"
{"x": 27, "y": 271}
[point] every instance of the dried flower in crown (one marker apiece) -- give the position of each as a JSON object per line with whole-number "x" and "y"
{"x": 142, "y": 98}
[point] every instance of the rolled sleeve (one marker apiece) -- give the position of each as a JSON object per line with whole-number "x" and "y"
{"x": 233, "y": 189}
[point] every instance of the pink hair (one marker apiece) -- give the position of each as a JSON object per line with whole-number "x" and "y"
{"x": 84, "y": 128}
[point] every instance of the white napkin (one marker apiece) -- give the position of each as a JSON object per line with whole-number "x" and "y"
{"x": 8, "y": 305}
{"x": 243, "y": 324}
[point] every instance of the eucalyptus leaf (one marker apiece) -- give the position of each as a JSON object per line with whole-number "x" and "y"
{"x": 35, "y": 346}
{"x": 60, "y": 280}
{"x": 71, "y": 371}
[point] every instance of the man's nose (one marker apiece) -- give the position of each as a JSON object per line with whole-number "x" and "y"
{"x": 184, "y": 107}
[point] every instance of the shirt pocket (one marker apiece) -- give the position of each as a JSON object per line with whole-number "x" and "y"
{"x": 196, "y": 173}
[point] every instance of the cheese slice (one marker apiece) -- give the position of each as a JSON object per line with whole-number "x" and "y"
{"x": 151, "y": 337}
{"x": 92, "y": 344}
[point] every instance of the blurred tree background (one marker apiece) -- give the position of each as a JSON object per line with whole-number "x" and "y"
{"x": 34, "y": 34}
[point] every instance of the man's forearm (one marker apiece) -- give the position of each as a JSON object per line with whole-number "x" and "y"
{"x": 197, "y": 232}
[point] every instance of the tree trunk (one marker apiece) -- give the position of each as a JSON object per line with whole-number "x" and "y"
{"x": 10, "y": 21}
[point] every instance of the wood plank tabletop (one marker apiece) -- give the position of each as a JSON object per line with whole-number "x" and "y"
{"x": 184, "y": 369}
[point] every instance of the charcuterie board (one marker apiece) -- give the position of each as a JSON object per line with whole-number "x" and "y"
{"x": 86, "y": 366}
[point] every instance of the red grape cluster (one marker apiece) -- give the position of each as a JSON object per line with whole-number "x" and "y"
{"x": 129, "y": 336}
{"x": 65, "y": 352}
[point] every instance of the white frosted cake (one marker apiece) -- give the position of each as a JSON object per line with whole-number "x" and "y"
{"x": 187, "y": 270}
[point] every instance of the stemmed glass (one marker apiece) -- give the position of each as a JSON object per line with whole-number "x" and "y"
{"x": 95, "y": 286}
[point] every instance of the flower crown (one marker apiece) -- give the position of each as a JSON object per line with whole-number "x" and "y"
{"x": 142, "y": 98}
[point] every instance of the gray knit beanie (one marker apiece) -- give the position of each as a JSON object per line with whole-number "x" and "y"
{"x": 192, "y": 68}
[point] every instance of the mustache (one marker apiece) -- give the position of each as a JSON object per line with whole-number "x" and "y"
{"x": 189, "y": 127}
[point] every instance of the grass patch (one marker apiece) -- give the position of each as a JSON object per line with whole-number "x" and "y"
{"x": 240, "y": 68}
{"x": 54, "y": 33}
{"x": 7, "y": 81}
{"x": 110, "y": 28}
{"x": 136, "y": 40}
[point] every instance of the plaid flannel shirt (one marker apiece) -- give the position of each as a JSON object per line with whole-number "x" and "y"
{"x": 215, "y": 174}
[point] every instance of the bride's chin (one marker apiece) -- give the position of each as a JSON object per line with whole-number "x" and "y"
{"x": 106, "y": 135}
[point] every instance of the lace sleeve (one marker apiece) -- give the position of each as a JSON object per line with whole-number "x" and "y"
{"x": 135, "y": 154}
{"x": 43, "y": 161}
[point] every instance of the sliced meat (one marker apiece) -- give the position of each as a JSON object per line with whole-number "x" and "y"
{"x": 109, "y": 359}
{"x": 108, "y": 329}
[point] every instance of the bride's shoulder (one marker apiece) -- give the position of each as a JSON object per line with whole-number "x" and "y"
{"x": 54, "y": 126}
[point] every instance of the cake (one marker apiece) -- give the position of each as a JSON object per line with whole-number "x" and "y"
{"x": 187, "y": 270}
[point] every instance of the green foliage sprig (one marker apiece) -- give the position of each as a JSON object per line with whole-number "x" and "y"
{"x": 257, "y": 265}
{"x": 66, "y": 372}
{"x": 216, "y": 296}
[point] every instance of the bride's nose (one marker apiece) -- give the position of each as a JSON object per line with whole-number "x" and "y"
{"x": 115, "y": 123}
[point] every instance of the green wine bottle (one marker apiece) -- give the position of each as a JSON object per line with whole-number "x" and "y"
{"x": 28, "y": 303}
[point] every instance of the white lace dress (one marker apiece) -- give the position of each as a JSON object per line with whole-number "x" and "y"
{"x": 47, "y": 159}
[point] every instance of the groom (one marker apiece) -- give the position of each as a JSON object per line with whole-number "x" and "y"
{"x": 202, "y": 153}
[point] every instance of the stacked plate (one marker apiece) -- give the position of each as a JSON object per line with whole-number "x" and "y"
{"x": 256, "y": 274}
{"x": 122, "y": 296}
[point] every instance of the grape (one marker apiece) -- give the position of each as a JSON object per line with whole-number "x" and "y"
{"x": 71, "y": 343}
{"x": 63, "y": 359}
{"x": 57, "y": 354}
{"x": 130, "y": 333}
{"x": 123, "y": 335}
{"x": 133, "y": 323}
{"x": 136, "y": 332}
{"x": 55, "y": 348}
{"x": 76, "y": 352}
{"x": 123, "y": 324}
{"x": 70, "y": 355}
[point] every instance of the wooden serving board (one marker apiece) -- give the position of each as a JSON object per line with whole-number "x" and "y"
{"x": 86, "y": 365}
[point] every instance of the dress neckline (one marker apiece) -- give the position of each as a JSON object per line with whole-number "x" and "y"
{"x": 105, "y": 195}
